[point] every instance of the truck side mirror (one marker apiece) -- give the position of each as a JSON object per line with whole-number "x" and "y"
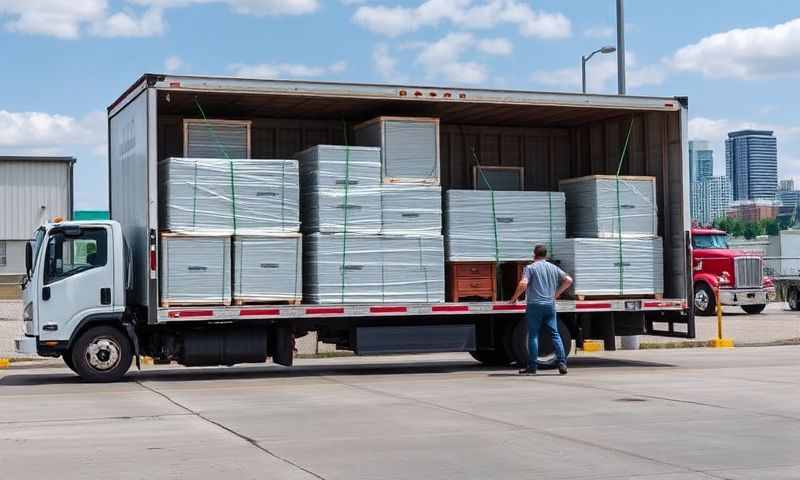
{"x": 28, "y": 258}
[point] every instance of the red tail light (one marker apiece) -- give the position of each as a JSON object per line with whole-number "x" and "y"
{"x": 153, "y": 263}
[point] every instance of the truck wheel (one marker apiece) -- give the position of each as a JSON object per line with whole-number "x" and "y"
{"x": 499, "y": 357}
{"x": 705, "y": 302}
{"x": 102, "y": 354}
{"x": 753, "y": 309}
{"x": 793, "y": 299}
{"x": 518, "y": 343}
{"x": 67, "y": 357}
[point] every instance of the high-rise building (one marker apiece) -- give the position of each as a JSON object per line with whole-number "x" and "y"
{"x": 701, "y": 167}
{"x": 701, "y": 160}
{"x": 786, "y": 185}
{"x": 789, "y": 198}
{"x": 710, "y": 200}
{"x": 751, "y": 164}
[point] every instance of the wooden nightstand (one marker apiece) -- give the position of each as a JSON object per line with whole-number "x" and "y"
{"x": 472, "y": 280}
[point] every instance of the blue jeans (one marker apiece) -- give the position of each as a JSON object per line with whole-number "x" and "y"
{"x": 543, "y": 317}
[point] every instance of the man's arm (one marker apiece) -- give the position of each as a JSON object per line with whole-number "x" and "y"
{"x": 523, "y": 284}
{"x": 566, "y": 281}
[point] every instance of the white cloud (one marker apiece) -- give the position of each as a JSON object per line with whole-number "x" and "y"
{"x": 600, "y": 31}
{"x": 397, "y": 20}
{"x": 125, "y": 24}
{"x": 601, "y": 75}
{"x": 38, "y": 131}
{"x": 173, "y": 64}
{"x": 285, "y": 70}
{"x": 245, "y": 7}
{"x": 443, "y": 59}
{"x": 71, "y": 18}
{"x": 716, "y": 131}
{"x": 747, "y": 53}
{"x": 495, "y": 46}
{"x": 385, "y": 63}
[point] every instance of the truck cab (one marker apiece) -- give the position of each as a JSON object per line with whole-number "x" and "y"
{"x": 74, "y": 297}
{"x": 730, "y": 276}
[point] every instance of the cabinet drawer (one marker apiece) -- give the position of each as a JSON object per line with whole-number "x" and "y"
{"x": 474, "y": 270}
{"x": 466, "y": 285}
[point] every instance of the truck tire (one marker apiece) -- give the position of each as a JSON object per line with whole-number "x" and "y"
{"x": 793, "y": 299}
{"x": 705, "y": 302}
{"x": 67, "y": 357}
{"x": 102, "y": 354}
{"x": 753, "y": 309}
{"x": 499, "y": 357}
{"x": 517, "y": 340}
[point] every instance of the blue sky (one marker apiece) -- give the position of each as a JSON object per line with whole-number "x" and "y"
{"x": 67, "y": 60}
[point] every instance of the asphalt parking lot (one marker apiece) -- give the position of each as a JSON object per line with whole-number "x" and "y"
{"x": 658, "y": 414}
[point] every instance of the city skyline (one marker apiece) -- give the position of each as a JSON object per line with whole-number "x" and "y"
{"x": 751, "y": 164}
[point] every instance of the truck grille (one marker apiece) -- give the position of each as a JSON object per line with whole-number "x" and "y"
{"x": 749, "y": 272}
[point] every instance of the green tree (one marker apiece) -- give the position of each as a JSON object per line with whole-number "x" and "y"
{"x": 751, "y": 230}
{"x": 736, "y": 227}
{"x": 771, "y": 226}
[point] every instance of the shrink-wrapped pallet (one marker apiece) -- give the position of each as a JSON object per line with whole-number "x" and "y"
{"x": 409, "y": 147}
{"x": 600, "y": 206}
{"x": 221, "y": 196}
{"x": 334, "y": 166}
{"x": 411, "y": 210}
{"x": 268, "y": 268}
{"x": 342, "y": 268}
{"x": 332, "y": 210}
{"x": 483, "y": 225}
{"x": 195, "y": 270}
{"x": 612, "y": 266}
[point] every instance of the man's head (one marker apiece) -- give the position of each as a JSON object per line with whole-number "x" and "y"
{"x": 539, "y": 251}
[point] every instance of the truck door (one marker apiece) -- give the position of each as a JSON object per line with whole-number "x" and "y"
{"x": 77, "y": 279}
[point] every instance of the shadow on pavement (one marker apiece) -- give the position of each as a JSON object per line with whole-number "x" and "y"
{"x": 186, "y": 374}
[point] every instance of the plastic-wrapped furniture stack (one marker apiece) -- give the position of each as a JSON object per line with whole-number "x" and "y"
{"x": 248, "y": 203}
{"x": 615, "y": 250}
{"x": 504, "y": 226}
{"x": 368, "y": 241}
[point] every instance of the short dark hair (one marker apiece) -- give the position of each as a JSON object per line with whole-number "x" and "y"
{"x": 539, "y": 251}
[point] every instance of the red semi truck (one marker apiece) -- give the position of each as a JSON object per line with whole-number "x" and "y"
{"x": 737, "y": 275}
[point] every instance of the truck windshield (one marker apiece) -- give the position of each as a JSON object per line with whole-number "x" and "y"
{"x": 36, "y": 242}
{"x": 710, "y": 241}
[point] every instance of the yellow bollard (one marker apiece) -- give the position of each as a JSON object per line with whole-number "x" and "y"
{"x": 720, "y": 341}
{"x": 4, "y": 362}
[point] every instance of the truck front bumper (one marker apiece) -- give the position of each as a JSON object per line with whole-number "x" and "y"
{"x": 25, "y": 345}
{"x": 746, "y": 296}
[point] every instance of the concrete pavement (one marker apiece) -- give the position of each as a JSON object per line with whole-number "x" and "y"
{"x": 666, "y": 415}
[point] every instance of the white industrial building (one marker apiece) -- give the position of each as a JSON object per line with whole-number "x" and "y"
{"x": 32, "y": 190}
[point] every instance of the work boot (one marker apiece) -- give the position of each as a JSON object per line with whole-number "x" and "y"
{"x": 562, "y": 368}
{"x": 527, "y": 371}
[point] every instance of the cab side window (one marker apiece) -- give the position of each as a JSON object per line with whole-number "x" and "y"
{"x": 70, "y": 253}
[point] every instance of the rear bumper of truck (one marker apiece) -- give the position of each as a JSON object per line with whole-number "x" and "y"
{"x": 25, "y": 345}
{"x": 746, "y": 296}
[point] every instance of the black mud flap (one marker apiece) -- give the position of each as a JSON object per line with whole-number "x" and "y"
{"x": 283, "y": 346}
{"x": 135, "y": 340}
{"x": 670, "y": 323}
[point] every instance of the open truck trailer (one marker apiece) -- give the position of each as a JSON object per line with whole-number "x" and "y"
{"x": 554, "y": 136}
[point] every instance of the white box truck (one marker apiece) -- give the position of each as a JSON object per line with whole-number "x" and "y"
{"x": 92, "y": 293}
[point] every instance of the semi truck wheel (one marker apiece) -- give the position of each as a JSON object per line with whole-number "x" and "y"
{"x": 102, "y": 354}
{"x": 705, "y": 302}
{"x": 753, "y": 309}
{"x": 518, "y": 344}
{"x": 498, "y": 357}
{"x": 793, "y": 299}
{"x": 67, "y": 357}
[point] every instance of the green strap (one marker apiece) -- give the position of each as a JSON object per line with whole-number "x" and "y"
{"x": 225, "y": 154}
{"x": 346, "y": 209}
{"x": 619, "y": 209}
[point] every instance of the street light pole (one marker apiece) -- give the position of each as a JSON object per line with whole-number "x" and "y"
{"x": 621, "y": 47}
{"x": 586, "y": 58}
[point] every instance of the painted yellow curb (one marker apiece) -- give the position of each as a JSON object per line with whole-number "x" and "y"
{"x": 147, "y": 360}
{"x": 4, "y": 362}
{"x": 592, "y": 346}
{"x": 721, "y": 343}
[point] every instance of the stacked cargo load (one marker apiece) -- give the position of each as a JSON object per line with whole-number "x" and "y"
{"x": 368, "y": 241}
{"x": 615, "y": 249}
{"x": 501, "y": 226}
{"x": 409, "y": 147}
{"x": 248, "y": 203}
{"x": 196, "y": 270}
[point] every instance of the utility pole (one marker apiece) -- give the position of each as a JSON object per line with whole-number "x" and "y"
{"x": 621, "y": 47}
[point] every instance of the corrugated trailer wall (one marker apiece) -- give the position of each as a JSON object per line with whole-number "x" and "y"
{"x": 548, "y": 155}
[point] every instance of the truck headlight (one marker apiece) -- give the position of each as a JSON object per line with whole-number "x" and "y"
{"x": 27, "y": 319}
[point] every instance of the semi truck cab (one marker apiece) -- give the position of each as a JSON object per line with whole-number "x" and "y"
{"x": 74, "y": 296}
{"x": 737, "y": 275}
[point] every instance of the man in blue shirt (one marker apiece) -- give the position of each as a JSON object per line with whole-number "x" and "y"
{"x": 542, "y": 283}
